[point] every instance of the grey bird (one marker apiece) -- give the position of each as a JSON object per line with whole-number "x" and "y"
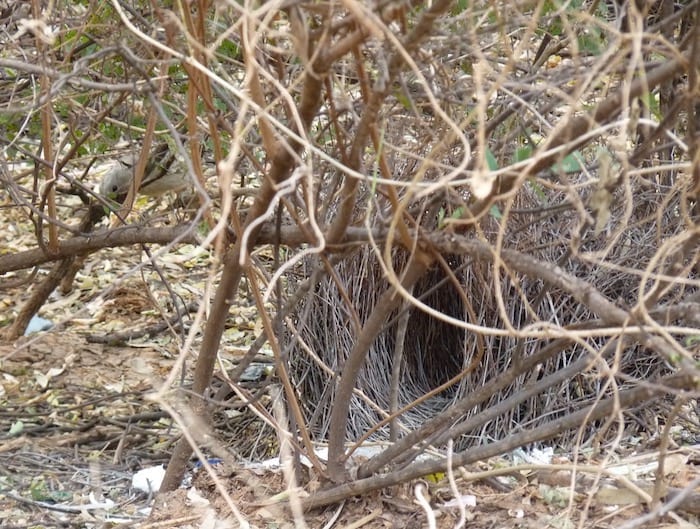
{"x": 157, "y": 178}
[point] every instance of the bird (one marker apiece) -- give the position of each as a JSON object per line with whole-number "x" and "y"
{"x": 157, "y": 180}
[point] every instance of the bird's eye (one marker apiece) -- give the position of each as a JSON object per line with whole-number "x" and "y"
{"x": 115, "y": 188}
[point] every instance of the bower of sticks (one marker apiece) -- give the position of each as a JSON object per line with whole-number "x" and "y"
{"x": 464, "y": 348}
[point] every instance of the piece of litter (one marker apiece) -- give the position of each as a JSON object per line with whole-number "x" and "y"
{"x": 37, "y": 324}
{"x": 148, "y": 479}
{"x": 467, "y": 500}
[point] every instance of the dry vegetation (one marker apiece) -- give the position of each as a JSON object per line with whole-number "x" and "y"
{"x": 463, "y": 223}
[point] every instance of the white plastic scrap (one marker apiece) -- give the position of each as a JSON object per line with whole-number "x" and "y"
{"x": 535, "y": 457}
{"x": 148, "y": 479}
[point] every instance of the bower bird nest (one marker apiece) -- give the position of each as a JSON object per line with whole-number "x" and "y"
{"x": 436, "y": 352}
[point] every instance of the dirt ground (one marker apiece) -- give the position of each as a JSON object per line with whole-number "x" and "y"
{"x": 78, "y": 419}
{"x": 87, "y": 425}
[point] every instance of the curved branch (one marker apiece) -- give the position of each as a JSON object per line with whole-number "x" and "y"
{"x": 138, "y": 87}
{"x": 603, "y": 408}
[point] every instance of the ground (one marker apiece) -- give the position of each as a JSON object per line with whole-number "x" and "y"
{"x": 78, "y": 420}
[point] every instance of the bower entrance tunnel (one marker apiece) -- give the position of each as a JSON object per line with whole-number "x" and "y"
{"x": 434, "y": 351}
